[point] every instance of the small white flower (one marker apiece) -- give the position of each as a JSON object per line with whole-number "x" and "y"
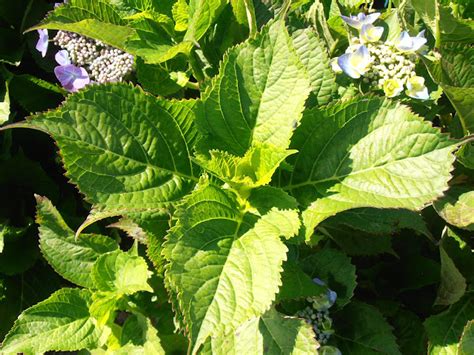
{"x": 416, "y": 88}
{"x": 405, "y": 43}
{"x": 361, "y": 19}
{"x": 392, "y": 87}
{"x": 370, "y": 33}
{"x": 355, "y": 64}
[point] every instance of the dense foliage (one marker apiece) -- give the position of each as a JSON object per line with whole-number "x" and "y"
{"x": 253, "y": 177}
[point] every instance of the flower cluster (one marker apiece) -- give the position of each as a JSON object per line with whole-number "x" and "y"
{"x": 387, "y": 66}
{"x": 83, "y": 60}
{"x": 317, "y": 314}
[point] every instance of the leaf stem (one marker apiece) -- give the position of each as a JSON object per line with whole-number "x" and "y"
{"x": 250, "y": 12}
{"x": 192, "y": 85}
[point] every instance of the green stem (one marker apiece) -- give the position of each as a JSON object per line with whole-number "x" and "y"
{"x": 191, "y": 85}
{"x": 250, "y": 11}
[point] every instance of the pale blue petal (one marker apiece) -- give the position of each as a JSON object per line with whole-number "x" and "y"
{"x": 371, "y": 18}
{"x": 417, "y": 43}
{"x": 351, "y": 21}
{"x": 43, "y": 41}
{"x": 404, "y": 42}
{"x": 344, "y": 63}
{"x": 318, "y": 281}
{"x": 62, "y": 57}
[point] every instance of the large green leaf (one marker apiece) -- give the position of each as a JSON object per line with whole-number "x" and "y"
{"x": 270, "y": 334}
{"x": 445, "y": 329}
{"x": 367, "y": 153}
{"x": 362, "y": 330}
{"x": 95, "y": 19}
{"x": 126, "y": 151}
{"x": 257, "y": 97}
{"x": 62, "y": 323}
{"x": 224, "y": 267}
{"x": 121, "y": 273}
{"x": 72, "y": 258}
{"x": 313, "y": 54}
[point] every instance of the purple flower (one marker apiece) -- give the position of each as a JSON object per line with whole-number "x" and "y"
{"x": 62, "y": 57}
{"x": 43, "y": 41}
{"x": 72, "y": 78}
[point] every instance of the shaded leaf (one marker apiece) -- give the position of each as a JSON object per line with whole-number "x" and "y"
{"x": 72, "y": 258}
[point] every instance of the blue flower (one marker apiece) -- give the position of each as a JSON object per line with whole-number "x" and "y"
{"x": 43, "y": 41}
{"x": 416, "y": 88}
{"x": 361, "y": 19}
{"x": 72, "y": 78}
{"x": 405, "y": 43}
{"x": 370, "y": 33}
{"x": 357, "y": 63}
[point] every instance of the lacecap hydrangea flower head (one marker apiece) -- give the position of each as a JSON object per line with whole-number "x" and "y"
{"x": 387, "y": 66}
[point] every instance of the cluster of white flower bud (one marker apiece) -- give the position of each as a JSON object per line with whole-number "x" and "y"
{"x": 103, "y": 63}
{"x": 112, "y": 65}
{"x": 389, "y": 64}
{"x": 318, "y": 317}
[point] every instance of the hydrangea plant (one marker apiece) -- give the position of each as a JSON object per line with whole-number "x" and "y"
{"x": 253, "y": 177}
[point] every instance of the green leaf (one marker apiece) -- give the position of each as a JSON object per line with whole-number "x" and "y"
{"x": 154, "y": 44}
{"x": 159, "y": 79}
{"x": 409, "y": 332}
{"x": 367, "y": 153}
{"x": 126, "y": 151}
{"x": 257, "y": 97}
{"x": 457, "y": 207}
{"x": 121, "y": 273}
{"x": 34, "y": 94}
{"x": 9, "y": 232}
{"x": 61, "y": 323}
{"x": 230, "y": 273}
{"x": 180, "y": 15}
{"x": 202, "y": 15}
{"x": 444, "y": 26}
{"x": 72, "y": 258}
{"x": 453, "y": 284}
{"x": 264, "y": 198}
{"x": 455, "y": 73}
{"x": 445, "y": 329}
{"x": 95, "y": 19}
{"x": 270, "y": 334}
{"x": 313, "y": 54}
{"x": 460, "y": 252}
{"x": 254, "y": 169}
{"x": 362, "y": 330}
{"x": 368, "y": 231}
{"x": 297, "y": 284}
{"x": 335, "y": 269}
{"x": 139, "y": 331}
{"x": 466, "y": 344}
